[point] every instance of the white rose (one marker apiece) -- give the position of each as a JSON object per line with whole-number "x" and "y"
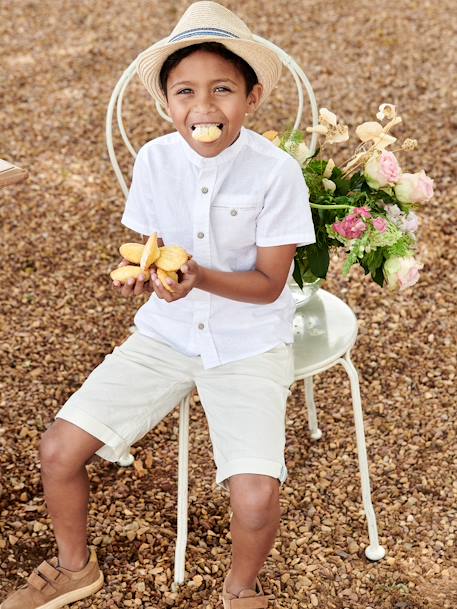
{"x": 414, "y": 188}
{"x": 401, "y": 273}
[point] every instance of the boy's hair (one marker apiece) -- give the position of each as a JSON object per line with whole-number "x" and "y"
{"x": 217, "y": 48}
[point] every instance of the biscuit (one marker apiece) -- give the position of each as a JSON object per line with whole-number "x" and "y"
{"x": 124, "y": 273}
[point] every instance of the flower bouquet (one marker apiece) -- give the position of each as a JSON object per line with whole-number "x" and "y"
{"x": 366, "y": 206}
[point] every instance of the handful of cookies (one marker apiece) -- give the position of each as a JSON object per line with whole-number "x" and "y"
{"x": 167, "y": 259}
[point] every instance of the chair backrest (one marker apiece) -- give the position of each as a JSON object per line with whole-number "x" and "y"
{"x": 117, "y": 96}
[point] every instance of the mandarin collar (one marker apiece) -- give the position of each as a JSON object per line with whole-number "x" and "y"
{"x": 225, "y": 156}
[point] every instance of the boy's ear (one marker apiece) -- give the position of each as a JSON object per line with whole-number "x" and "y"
{"x": 254, "y": 97}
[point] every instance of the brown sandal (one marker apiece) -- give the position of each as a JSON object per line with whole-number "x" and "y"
{"x": 247, "y": 599}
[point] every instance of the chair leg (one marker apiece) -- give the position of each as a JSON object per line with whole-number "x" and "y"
{"x": 181, "y": 538}
{"x": 126, "y": 460}
{"x": 374, "y": 551}
{"x": 315, "y": 432}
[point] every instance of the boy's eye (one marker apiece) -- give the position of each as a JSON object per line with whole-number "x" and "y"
{"x": 222, "y": 88}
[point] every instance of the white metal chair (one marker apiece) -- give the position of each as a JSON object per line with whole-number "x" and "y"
{"x": 325, "y": 331}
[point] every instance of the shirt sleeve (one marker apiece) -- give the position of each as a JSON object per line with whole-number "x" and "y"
{"x": 286, "y": 214}
{"x": 139, "y": 213}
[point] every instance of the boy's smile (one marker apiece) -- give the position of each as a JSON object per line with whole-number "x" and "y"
{"x": 206, "y": 90}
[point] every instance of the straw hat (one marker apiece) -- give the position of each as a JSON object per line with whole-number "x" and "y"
{"x": 209, "y": 22}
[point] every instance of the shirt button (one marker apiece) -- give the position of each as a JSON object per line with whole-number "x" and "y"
{"x": 233, "y": 212}
{"x": 201, "y": 326}
{"x": 204, "y": 190}
{"x": 200, "y": 235}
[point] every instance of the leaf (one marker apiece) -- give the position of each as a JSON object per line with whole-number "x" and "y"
{"x": 378, "y": 276}
{"x": 342, "y": 186}
{"x": 302, "y": 272}
{"x": 316, "y": 166}
{"x": 373, "y": 260}
{"x": 297, "y": 275}
{"x": 357, "y": 180}
{"x": 319, "y": 260}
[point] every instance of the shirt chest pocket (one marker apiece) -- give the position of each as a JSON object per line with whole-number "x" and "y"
{"x": 234, "y": 220}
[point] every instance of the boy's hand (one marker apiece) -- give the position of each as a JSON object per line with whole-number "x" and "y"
{"x": 132, "y": 287}
{"x": 191, "y": 276}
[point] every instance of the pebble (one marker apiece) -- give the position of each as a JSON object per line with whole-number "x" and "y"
{"x": 59, "y": 317}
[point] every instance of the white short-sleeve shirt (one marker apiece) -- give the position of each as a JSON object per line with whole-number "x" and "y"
{"x": 220, "y": 209}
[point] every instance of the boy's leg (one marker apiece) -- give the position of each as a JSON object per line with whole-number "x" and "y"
{"x": 254, "y": 499}
{"x": 75, "y": 574}
{"x": 245, "y": 405}
{"x": 135, "y": 386}
{"x": 64, "y": 451}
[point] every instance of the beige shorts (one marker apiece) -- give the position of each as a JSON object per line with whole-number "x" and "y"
{"x": 143, "y": 380}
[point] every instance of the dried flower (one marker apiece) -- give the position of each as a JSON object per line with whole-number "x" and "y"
{"x": 334, "y": 132}
{"x": 409, "y": 144}
{"x": 386, "y": 111}
{"x": 373, "y": 131}
{"x": 329, "y": 168}
{"x": 383, "y": 141}
{"x": 272, "y": 136}
{"x": 327, "y": 118}
{"x": 369, "y": 130}
{"x": 328, "y": 185}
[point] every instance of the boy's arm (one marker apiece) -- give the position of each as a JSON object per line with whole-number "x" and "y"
{"x": 261, "y": 286}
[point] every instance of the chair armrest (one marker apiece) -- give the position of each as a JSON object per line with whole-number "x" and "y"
{"x": 11, "y": 174}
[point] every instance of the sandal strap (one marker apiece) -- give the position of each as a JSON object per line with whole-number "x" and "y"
{"x": 35, "y": 580}
{"x": 50, "y": 572}
{"x": 251, "y": 602}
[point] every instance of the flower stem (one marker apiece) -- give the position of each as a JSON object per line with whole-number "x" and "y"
{"x": 317, "y": 206}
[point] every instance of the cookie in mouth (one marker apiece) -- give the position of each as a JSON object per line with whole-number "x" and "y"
{"x": 207, "y": 132}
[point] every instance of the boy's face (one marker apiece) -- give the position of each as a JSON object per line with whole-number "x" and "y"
{"x": 205, "y": 89}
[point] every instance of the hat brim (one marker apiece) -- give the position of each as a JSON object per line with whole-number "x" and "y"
{"x": 263, "y": 60}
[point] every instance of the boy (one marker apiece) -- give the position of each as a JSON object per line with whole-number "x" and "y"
{"x": 239, "y": 205}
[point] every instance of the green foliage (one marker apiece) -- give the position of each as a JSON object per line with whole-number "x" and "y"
{"x": 290, "y": 138}
{"x": 403, "y": 247}
{"x": 302, "y": 272}
{"x": 319, "y": 259}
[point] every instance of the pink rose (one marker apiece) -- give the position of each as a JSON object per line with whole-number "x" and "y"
{"x": 401, "y": 273}
{"x": 351, "y": 227}
{"x": 382, "y": 170}
{"x": 363, "y": 212}
{"x": 414, "y": 188}
{"x": 380, "y": 224}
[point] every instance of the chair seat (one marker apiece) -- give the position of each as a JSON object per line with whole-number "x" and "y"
{"x": 324, "y": 330}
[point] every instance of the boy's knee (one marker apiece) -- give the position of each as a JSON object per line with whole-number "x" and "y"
{"x": 254, "y": 499}
{"x": 55, "y": 454}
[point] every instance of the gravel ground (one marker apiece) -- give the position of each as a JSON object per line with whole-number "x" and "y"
{"x": 59, "y": 316}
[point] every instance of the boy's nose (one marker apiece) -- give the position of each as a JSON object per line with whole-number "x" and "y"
{"x": 204, "y": 102}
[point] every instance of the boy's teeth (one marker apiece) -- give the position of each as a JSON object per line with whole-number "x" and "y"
{"x": 206, "y": 133}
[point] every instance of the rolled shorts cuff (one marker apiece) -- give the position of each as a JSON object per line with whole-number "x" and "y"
{"x": 250, "y": 466}
{"x": 114, "y": 446}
